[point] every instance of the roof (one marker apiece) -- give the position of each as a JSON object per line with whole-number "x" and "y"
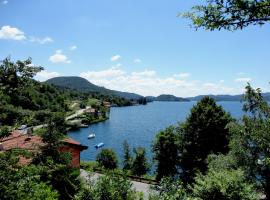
{"x": 24, "y": 141}
{"x": 74, "y": 142}
{"x": 90, "y": 110}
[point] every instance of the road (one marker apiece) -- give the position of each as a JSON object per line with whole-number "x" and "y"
{"x": 77, "y": 113}
{"x": 138, "y": 186}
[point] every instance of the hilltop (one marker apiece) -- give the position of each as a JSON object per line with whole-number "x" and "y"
{"x": 166, "y": 97}
{"x": 83, "y": 85}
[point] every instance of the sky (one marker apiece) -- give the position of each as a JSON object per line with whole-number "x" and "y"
{"x": 134, "y": 45}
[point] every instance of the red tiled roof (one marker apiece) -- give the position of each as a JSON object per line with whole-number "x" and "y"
{"x": 71, "y": 141}
{"x": 23, "y": 141}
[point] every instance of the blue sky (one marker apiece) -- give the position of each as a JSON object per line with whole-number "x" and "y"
{"x": 137, "y": 46}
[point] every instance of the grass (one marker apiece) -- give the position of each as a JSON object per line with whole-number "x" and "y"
{"x": 100, "y": 119}
{"x": 92, "y": 101}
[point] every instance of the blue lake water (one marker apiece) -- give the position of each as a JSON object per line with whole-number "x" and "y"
{"x": 138, "y": 125}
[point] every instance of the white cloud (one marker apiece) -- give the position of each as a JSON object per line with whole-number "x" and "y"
{"x": 144, "y": 73}
{"x": 137, "y": 60}
{"x": 5, "y": 2}
{"x": 11, "y": 33}
{"x": 72, "y": 48}
{"x": 221, "y": 81}
{"x": 148, "y": 82}
{"x": 108, "y": 73}
{"x": 41, "y": 40}
{"x": 115, "y": 58}
{"x": 59, "y": 57}
{"x": 182, "y": 75}
{"x": 44, "y": 75}
{"x": 243, "y": 79}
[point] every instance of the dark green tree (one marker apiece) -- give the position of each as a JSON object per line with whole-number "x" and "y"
{"x": 229, "y": 14}
{"x": 52, "y": 136}
{"x": 127, "y": 161}
{"x": 140, "y": 166}
{"x": 204, "y": 132}
{"x": 251, "y": 139}
{"x": 107, "y": 158}
{"x": 55, "y": 165}
{"x": 165, "y": 150}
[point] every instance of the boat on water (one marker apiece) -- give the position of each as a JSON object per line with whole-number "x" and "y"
{"x": 92, "y": 135}
{"x": 99, "y": 145}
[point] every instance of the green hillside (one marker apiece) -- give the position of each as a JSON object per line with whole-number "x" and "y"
{"x": 81, "y": 84}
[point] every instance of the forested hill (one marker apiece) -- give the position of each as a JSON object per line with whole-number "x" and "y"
{"x": 226, "y": 97}
{"x": 166, "y": 97}
{"x": 81, "y": 84}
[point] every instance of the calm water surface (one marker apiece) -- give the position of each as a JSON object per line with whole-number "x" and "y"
{"x": 138, "y": 125}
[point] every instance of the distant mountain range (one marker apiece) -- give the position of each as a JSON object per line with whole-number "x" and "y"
{"x": 81, "y": 84}
{"x": 226, "y": 97}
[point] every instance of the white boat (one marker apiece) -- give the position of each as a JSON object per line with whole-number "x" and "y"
{"x": 92, "y": 135}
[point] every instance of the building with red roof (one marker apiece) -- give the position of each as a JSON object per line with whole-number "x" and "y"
{"x": 19, "y": 140}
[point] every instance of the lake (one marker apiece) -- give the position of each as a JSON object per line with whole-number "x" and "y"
{"x": 138, "y": 125}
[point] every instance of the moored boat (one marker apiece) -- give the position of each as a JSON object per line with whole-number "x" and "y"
{"x": 92, "y": 135}
{"x": 99, "y": 145}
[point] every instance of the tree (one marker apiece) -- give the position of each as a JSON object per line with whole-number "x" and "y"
{"x": 16, "y": 75}
{"x": 165, "y": 150}
{"x": 52, "y": 136}
{"x": 250, "y": 139}
{"x": 107, "y": 159}
{"x": 127, "y": 162}
{"x": 229, "y": 14}
{"x": 140, "y": 165}
{"x": 224, "y": 185}
{"x": 204, "y": 132}
{"x": 55, "y": 165}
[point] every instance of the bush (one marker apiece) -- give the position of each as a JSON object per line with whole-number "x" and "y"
{"x": 113, "y": 186}
{"x": 169, "y": 190}
{"x": 107, "y": 159}
{"x": 223, "y": 185}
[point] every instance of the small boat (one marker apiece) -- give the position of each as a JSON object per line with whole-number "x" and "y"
{"x": 92, "y": 135}
{"x": 99, "y": 145}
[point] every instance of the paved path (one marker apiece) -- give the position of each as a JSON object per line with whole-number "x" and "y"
{"x": 138, "y": 186}
{"x": 77, "y": 113}
{"x": 73, "y": 105}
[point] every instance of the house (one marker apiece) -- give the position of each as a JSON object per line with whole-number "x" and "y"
{"x": 90, "y": 111}
{"x": 107, "y": 104}
{"x": 32, "y": 143}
